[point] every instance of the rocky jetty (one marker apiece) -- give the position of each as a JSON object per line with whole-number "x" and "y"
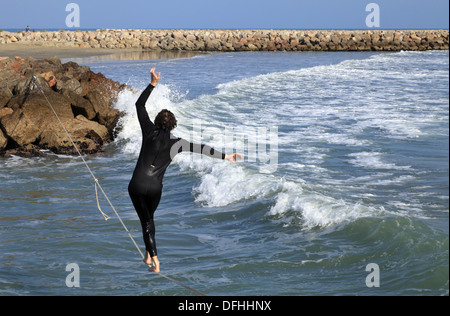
{"x": 82, "y": 99}
{"x": 238, "y": 40}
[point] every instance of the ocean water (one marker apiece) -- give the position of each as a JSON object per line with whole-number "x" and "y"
{"x": 346, "y": 164}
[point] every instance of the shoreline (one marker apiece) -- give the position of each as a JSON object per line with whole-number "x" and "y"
{"x": 110, "y": 41}
{"x": 40, "y": 52}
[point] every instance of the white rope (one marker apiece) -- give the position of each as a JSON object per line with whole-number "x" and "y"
{"x": 98, "y": 203}
{"x": 35, "y": 83}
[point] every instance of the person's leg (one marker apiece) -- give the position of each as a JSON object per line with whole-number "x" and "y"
{"x": 153, "y": 200}
{"x": 145, "y": 207}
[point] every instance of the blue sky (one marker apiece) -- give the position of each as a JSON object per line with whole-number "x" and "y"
{"x": 225, "y": 14}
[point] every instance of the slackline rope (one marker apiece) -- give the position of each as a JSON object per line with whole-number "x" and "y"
{"x": 35, "y": 83}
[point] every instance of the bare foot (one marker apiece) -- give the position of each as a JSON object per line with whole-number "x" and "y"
{"x": 155, "y": 267}
{"x": 147, "y": 260}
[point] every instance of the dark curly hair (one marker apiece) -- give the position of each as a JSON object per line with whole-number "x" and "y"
{"x": 166, "y": 121}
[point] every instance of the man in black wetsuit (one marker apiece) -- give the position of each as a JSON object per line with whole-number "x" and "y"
{"x": 159, "y": 147}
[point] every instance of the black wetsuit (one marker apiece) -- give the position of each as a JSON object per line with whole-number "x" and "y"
{"x": 159, "y": 147}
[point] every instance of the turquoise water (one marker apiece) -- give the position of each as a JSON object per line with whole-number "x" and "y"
{"x": 346, "y": 164}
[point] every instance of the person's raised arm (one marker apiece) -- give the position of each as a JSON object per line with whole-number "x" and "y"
{"x": 147, "y": 125}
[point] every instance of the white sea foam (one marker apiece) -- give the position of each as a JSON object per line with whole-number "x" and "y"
{"x": 348, "y": 105}
{"x": 374, "y": 160}
{"x": 317, "y": 209}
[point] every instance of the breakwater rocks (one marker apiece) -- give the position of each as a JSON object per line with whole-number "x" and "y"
{"x": 82, "y": 99}
{"x": 238, "y": 40}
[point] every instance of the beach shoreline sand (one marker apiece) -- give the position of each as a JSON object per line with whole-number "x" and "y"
{"x": 41, "y": 52}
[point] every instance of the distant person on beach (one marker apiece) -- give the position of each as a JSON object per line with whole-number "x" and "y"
{"x": 159, "y": 147}
{"x": 28, "y": 28}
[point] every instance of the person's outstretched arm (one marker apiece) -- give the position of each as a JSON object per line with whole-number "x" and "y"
{"x": 185, "y": 146}
{"x": 147, "y": 125}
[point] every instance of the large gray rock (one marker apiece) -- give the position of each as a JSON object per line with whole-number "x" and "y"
{"x": 69, "y": 85}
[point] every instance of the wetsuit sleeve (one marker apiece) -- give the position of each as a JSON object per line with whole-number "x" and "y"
{"x": 183, "y": 145}
{"x": 147, "y": 125}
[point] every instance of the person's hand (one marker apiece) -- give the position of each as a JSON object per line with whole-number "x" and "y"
{"x": 233, "y": 157}
{"x": 155, "y": 78}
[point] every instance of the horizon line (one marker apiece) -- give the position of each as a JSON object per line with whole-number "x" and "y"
{"x": 223, "y": 29}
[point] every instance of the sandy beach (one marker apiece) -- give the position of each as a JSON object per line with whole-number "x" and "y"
{"x": 27, "y": 50}
{"x": 39, "y": 52}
